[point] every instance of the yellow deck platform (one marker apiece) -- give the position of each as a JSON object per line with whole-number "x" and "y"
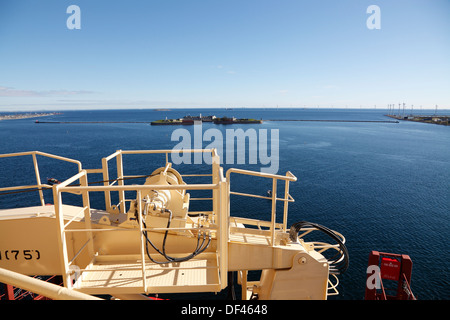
{"x": 111, "y": 274}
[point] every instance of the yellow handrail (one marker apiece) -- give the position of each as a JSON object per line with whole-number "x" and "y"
{"x": 218, "y": 186}
{"x": 275, "y": 177}
{"x": 38, "y": 185}
{"x": 40, "y": 287}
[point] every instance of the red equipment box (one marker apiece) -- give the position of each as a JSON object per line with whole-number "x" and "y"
{"x": 390, "y": 268}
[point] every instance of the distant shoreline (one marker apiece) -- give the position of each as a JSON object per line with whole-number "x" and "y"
{"x": 26, "y": 115}
{"x": 432, "y": 119}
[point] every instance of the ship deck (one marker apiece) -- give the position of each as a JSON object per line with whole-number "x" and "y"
{"x": 48, "y": 211}
{"x": 111, "y": 274}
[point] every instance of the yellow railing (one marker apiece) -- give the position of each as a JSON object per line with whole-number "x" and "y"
{"x": 62, "y": 225}
{"x": 121, "y": 177}
{"x": 218, "y": 186}
{"x": 220, "y": 214}
{"x": 274, "y": 198}
{"x": 39, "y": 185}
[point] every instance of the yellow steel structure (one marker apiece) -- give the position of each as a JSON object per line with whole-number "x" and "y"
{"x": 152, "y": 243}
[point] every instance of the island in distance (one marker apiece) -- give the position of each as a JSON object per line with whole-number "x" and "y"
{"x": 190, "y": 120}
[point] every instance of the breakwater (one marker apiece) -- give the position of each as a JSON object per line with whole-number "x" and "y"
{"x": 179, "y": 123}
{"x": 76, "y": 122}
{"x": 376, "y": 121}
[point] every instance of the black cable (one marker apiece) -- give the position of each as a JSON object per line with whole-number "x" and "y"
{"x": 195, "y": 214}
{"x": 196, "y": 251}
{"x": 231, "y": 294}
{"x": 199, "y": 248}
{"x": 340, "y": 261}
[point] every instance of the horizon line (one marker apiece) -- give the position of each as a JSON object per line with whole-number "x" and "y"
{"x": 223, "y": 108}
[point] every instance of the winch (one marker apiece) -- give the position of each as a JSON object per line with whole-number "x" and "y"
{"x": 163, "y": 205}
{"x": 152, "y": 242}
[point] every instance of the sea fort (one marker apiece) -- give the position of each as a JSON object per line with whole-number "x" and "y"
{"x": 190, "y": 120}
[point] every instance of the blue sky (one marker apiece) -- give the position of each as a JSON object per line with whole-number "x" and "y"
{"x": 223, "y": 53}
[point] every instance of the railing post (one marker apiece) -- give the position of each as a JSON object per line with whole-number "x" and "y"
{"x": 120, "y": 182}
{"x": 38, "y": 179}
{"x": 106, "y": 183}
{"x": 61, "y": 236}
{"x": 223, "y": 216}
{"x": 87, "y": 214}
{"x": 215, "y": 180}
{"x": 139, "y": 208}
{"x": 274, "y": 208}
{"x": 286, "y": 202}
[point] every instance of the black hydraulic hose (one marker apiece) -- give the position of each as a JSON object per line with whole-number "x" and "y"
{"x": 231, "y": 294}
{"x": 199, "y": 248}
{"x": 339, "y": 262}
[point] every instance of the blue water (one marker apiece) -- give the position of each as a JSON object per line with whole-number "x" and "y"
{"x": 384, "y": 186}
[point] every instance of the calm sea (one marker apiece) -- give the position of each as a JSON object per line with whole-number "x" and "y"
{"x": 384, "y": 186}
